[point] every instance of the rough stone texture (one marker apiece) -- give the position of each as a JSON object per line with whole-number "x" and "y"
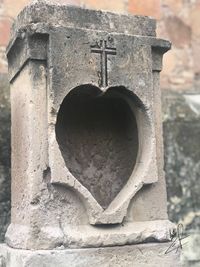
{"x": 146, "y": 255}
{"x": 178, "y": 72}
{"x": 92, "y": 156}
{"x": 96, "y": 20}
{"x": 191, "y": 255}
{"x": 87, "y": 151}
{"x": 4, "y": 155}
{"x": 181, "y": 68}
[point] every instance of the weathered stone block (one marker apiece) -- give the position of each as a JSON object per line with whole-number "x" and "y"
{"x": 87, "y": 104}
{"x": 87, "y": 157}
{"x": 142, "y": 255}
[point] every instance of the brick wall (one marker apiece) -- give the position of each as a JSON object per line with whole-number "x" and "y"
{"x": 179, "y": 23}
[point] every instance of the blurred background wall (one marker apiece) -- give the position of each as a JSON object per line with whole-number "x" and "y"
{"x": 179, "y": 22}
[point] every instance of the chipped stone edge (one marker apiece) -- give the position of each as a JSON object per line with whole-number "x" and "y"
{"x": 88, "y": 236}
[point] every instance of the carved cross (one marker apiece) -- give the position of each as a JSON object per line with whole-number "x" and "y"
{"x": 103, "y": 50}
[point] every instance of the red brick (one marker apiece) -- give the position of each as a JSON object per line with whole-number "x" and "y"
{"x": 179, "y": 33}
{"x": 196, "y": 55}
{"x": 68, "y": 2}
{"x": 175, "y": 6}
{"x": 195, "y": 20}
{"x": 145, "y": 7}
{"x": 13, "y": 7}
{"x": 5, "y": 24}
{"x": 111, "y": 5}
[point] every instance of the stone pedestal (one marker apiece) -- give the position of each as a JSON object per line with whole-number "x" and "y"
{"x": 143, "y": 255}
{"x": 87, "y": 158}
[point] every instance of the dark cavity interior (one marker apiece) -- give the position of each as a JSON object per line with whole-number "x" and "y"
{"x": 98, "y": 137}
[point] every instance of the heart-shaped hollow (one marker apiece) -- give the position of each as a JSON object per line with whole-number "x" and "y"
{"x": 97, "y": 134}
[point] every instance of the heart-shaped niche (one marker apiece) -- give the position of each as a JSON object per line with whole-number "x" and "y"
{"x": 98, "y": 137}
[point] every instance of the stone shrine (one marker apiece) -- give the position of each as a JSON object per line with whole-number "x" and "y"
{"x": 88, "y": 185}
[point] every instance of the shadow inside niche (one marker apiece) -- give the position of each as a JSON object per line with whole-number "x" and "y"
{"x": 98, "y": 137}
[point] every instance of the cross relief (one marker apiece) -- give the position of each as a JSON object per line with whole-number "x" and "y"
{"x": 104, "y": 50}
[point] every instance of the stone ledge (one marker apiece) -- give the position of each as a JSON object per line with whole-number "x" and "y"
{"x": 87, "y": 236}
{"x": 146, "y": 255}
{"x": 65, "y": 15}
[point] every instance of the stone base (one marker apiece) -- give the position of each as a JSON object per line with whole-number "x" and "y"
{"x": 150, "y": 255}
